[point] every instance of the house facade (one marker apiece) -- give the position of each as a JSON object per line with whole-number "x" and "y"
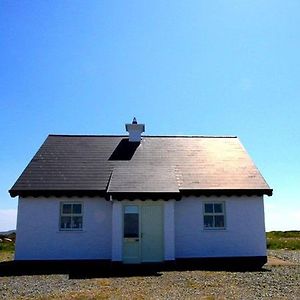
{"x": 140, "y": 199}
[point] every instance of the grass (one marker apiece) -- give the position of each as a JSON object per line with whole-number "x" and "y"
{"x": 6, "y": 256}
{"x": 288, "y": 240}
{"x": 7, "y": 248}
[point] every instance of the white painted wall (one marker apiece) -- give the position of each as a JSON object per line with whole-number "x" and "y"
{"x": 117, "y": 231}
{"x": 169, "y": 230}
{"x": 244, "y": 234}
{"x": 39, "y": 237}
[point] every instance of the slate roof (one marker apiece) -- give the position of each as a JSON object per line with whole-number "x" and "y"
{"x": 159, "y": 165}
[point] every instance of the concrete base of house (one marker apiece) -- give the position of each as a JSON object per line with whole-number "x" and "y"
{"x": 107, "y": 268}
{"x": 219, "y": 263}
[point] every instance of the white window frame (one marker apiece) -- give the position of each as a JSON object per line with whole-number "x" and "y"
{"x": 72, "y": 215}
{"x": 213, "y": 214}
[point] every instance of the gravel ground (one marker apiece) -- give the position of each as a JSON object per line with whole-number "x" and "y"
{"x": 273, "y": 282}
{"x": 288, "y": 255}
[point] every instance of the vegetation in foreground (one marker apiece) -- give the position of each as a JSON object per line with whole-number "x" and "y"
{"x": 7, "y": 246}
{"x": 288, "y": 240}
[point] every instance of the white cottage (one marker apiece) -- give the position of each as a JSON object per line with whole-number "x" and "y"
{"x": 141, "y": 199}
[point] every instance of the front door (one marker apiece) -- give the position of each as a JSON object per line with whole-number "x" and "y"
{"x": 143, "y": 232}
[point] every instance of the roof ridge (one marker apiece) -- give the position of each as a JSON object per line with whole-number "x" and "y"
{"x": 192, "y": 136}
{"x": 148, "y": 136}
{"x": 88, "y": 135}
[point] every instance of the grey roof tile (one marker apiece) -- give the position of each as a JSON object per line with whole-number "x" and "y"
{"x": 134, "y": 179}
{"x": 157, "y": 164}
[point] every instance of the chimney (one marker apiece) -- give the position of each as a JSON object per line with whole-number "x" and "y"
{"x": 135, "y": 130}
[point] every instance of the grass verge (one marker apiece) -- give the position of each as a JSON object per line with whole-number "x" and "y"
{"x": 7, "y": 247}
{"x": 288, "y": 240}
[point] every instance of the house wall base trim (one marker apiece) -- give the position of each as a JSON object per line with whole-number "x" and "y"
{"x": 235, "y": 262}
{"x": 104, "y": 267}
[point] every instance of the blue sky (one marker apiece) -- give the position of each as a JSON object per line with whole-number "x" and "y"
{"x": 180, "y": 67}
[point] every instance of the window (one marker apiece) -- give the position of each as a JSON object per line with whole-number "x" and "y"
{"x": 71, "y": 216}
{"x": 131, "y": 221}
{"x": 214, "y": 215}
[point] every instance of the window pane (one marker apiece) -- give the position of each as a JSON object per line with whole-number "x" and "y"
{"x": 77, "y": 222}
{"x": 219, "y": 221}
{"x": 67, "y": 208}
{"x": 131, "y": 225}
{"x": 131, "y": 209}
{"x": 76, "y": 208}
{"x": 218, "y": 207}
{"x": 65, "y": 222}
{"x": 208, "y": 221}
{"x": 208, "y": 208}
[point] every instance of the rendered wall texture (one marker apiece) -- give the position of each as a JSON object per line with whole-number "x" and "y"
{"x": 39, "y": 237}
{"x": 117, "y": 231}
{"x": 244, "y": 234}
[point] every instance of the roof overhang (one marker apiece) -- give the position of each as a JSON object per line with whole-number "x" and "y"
{"x": 57, "y": 193}
{"x": 145, "y": 196}
{"x": 141, "y": 195}
{"x": 227, "y": 192}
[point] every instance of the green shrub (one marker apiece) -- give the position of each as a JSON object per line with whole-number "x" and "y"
{"x": 7, "y": 246}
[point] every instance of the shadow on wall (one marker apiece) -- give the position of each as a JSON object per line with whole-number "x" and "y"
{"x": 81, "y": 269}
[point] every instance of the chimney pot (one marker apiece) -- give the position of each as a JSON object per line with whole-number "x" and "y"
{"x": 135, "y": 130}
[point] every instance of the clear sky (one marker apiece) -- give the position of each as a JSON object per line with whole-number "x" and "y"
{"x": 180, "y": 67}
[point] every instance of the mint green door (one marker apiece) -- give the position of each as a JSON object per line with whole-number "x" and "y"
{"x": 143, "y": 233}
{"x": 152, "y": 233}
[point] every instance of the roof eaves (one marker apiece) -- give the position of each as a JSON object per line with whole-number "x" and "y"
{"x": 226, "y": 192}
{"x": 145, "y": 195}
{"x": 57, "y": 193}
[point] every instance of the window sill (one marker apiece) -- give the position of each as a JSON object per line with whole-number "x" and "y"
{"x": 214, "y": 229}
{"x": 71, "y": 230}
